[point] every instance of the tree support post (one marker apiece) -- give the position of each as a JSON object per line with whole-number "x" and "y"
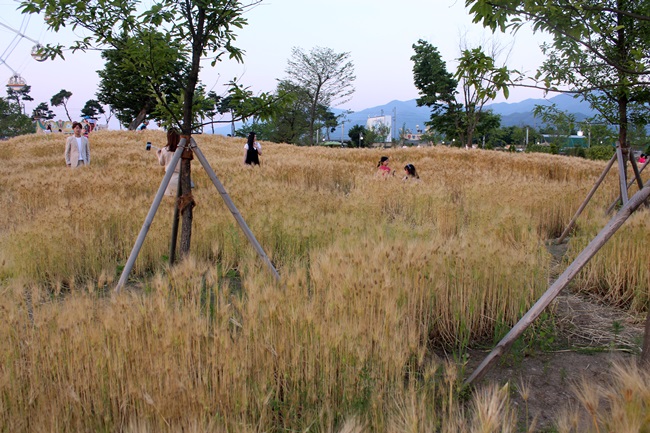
{"x": 233, "y": 209}
{"x": 586, "y": 201}
{"x": 622, "y": 172}
{"x": 637, "y": 172}
{"x": 618, "y": 199}
{"x": 563, "y": 280}
{"x": 149, "y": 219}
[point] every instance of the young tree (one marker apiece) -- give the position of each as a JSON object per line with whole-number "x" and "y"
{"x": 203, "y": 28}
{"x": 324, "y": 75}
{"x": 480, "y": 82}
{"x": 62, "y": 98}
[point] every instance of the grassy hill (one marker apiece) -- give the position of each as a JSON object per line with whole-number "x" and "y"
{"x": 376, "y": 275}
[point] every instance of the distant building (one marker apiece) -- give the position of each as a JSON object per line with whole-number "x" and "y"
{"x": 565, "y": 141}
{"x": 383, "y": 125}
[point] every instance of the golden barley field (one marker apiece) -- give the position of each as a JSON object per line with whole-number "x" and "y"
{"x": 377, "y": 275}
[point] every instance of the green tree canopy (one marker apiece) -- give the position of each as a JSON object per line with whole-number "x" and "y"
{"x": 62, "y": 98}
{"x": 18, "y": 95}
{"x": 599, "y": 49}
{"x": 133, "y": 94}
{"x": 92, "y": 108}
{"x": 480, "y": 80}
{"x": 12, "y": 120}
{"x": 360, "y": 136}
{"x": 42, "y": 111}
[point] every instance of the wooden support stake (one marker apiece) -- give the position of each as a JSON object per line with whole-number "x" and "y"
{"x": 563, "y": 280}
{"x": 618, "y": 199}
{"x": 584, "y": 203}
{"x": 149, "y": 219}
{"x": 637, "y": 172}
{"x": 622, "y": 173}
{"x": 233, "y": 209}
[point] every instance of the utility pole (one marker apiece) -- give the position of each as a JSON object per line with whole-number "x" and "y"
{"x": 526, "y": 137}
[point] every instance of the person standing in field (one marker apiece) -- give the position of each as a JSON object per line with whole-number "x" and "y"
{"x": 253, "y": 150}
{"x": 77, "y": 148}
{"x": 86, "y": 128}
{"x": 165, "y": 156}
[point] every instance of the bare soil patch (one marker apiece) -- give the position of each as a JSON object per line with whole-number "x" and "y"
{"x": 590, "y": 336}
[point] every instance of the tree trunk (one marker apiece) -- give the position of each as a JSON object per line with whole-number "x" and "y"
{"x": 65, "y": 107}
{"x": 138, "y": 119}
{"x": 186, "y": 203}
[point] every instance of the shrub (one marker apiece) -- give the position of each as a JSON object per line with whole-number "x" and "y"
{"x": 600, "y": 152}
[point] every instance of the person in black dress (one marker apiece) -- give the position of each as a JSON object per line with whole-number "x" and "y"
{"x": 253, "y": 151}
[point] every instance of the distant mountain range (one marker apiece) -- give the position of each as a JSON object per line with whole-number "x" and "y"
{"x": 407, "y": 113}
{"x": 512, "y": 114}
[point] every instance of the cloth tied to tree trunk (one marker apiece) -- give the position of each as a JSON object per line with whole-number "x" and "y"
{"x": 186, "y": 200}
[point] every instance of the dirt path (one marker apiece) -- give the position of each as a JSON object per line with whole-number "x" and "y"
{"x": 590, "y": 336}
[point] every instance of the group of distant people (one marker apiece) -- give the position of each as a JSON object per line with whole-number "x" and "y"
{"x": 383, "y": 170}
{"x": 87, "y": 126}
{"x": 77, "y": 154}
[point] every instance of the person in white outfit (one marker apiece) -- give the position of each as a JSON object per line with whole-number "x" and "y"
{"x": 165, "y": 156}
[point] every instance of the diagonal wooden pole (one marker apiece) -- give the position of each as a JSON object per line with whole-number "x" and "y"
{"x": 586, "y": 201}
{"x": 149, "y": 219}
{"x": 637, "y": 172}
{"x": 622, "y": 172}
{"x": 233, "y": 209}
{"x": 618, "y": 199}
{"x": 563, "y": 280}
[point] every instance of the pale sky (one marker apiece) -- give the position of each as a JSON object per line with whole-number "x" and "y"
{"x": 378, "y": 34}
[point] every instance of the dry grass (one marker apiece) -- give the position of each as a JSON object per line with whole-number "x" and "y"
{"x": 374, "y": 274}
{"x": 626, "y": 402}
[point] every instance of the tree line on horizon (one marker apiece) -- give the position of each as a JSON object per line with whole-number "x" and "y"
{"x": 598, "y": 65}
